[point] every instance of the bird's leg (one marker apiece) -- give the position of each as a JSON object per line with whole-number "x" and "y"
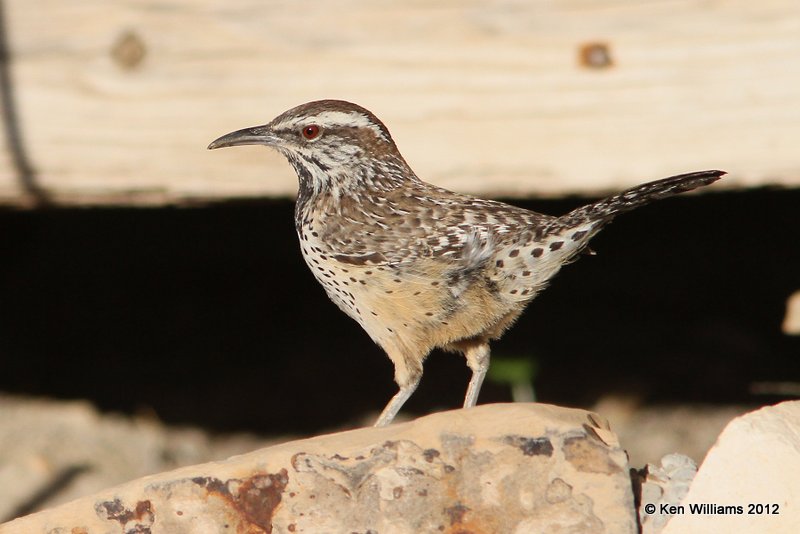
{"x": 407, "y": 374}
{"x": 396, "y": 402}
{"x": 477, "y": 360}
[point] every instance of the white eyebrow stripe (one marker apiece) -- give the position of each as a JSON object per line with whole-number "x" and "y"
{"x": 331, "y": 119}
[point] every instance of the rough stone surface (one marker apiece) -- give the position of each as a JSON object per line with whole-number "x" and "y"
{"x": 52, "y": 452}
{"x": 498, "y": 468}
{"x": 651, "y": 432}
{"x": 664, "y": 484}
{"x": 751, "y": 474}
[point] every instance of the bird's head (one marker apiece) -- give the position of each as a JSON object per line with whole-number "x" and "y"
{"x": 330, "y": 143}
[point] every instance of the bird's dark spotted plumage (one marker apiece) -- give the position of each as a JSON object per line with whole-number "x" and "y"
{"x": 432, "y": 268}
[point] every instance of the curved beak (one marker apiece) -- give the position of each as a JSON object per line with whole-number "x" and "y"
{"x": 257, "y": 135}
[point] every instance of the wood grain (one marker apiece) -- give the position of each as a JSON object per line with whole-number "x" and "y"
{"x": 118, "y": 100}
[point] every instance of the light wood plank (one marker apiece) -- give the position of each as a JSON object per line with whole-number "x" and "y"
{"x": 484, "y": 97}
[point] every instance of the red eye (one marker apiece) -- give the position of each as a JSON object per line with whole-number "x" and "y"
{"x": 311, "y": 131}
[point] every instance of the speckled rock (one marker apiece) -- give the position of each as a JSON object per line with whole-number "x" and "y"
{"x": 749, "y": 479}
{"x": 53, "y": 452}
{"x": 663, "y": 485}
{"x": 515, "y": 468}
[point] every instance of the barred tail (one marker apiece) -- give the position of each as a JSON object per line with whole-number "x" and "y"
{"x": 605, "y": 210}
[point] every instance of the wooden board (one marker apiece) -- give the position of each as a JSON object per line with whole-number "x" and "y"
{"x": 117, "y": 101}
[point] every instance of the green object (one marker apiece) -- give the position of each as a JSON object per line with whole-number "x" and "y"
{"x": 516, "y": 372}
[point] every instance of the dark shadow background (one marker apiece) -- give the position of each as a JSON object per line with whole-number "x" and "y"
{"x": 209, "y": 316}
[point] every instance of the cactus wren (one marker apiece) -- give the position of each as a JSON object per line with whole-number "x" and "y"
{"x": 417, "y": 266}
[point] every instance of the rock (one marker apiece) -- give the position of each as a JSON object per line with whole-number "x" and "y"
{"x": 651, "y": 432}
{"x": 748, "y": 481}
{"x": 665, "y": 484}
{"x": 497, "y": 468}
{"x": 46, "y": 446}
{"x": 791, "y": 322}
{"x": 52, "y": 452}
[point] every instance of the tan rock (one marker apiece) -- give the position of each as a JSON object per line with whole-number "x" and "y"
{"x": 650, "y": 432}
{"x": 664, "y": 484}
{"x": 54, "y": 452}
{"x": 791, "y": 322}
{"x": 498, "y": 468}
{"x": 749, "y": 479}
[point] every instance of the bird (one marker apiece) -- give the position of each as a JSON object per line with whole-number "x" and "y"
{"x": 420, "y": 267}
